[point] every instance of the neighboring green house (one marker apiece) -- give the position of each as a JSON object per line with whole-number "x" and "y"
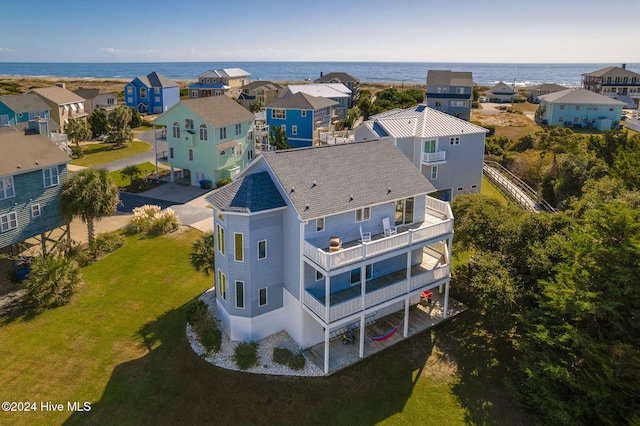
{"x": 209, "y": 138}
{"x": 30, "y": 182}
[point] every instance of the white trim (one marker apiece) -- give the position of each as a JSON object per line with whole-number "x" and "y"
{"x": 35, "y": 207}
{"x": 244, "y": 298}
{"x": 266, "y": 297}
{"x": 265, "y": 249}
{"x": 6, "y": 219}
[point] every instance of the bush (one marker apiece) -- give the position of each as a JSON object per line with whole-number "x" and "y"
{"x": 152, "y": 220}
{"x": 51, "y": 282}
{"x": 209, "y": 334}
{"x": 196, "y": 311}
{"x": 246, "y": 355}
{"x": 77, "y": 152}
{"x": 286, "y": 357}
{"x": 106, "y": 243}
{"x": 222, "y": 182}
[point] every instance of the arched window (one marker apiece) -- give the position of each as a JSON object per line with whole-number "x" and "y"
{"x": 176, "y": 130}
{"x": 203, "y": 132}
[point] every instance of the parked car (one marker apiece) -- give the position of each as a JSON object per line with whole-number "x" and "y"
{"x": 483, "y": 99}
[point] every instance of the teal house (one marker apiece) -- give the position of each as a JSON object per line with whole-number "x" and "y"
{"x": 27, "y": 110}
{"x": 30, "y": 183}
{"x": 208, "y": 139}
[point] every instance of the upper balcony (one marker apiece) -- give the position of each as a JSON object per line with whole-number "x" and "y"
{"x": 434, "y": 157}
{"x": 438, "y": 223}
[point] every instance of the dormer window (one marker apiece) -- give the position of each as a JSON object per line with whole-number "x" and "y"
{"x": 143, "y": 92}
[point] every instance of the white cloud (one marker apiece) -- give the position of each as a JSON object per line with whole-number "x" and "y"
{"x": 5, "y": 49}
{"x": 125, "y": 52}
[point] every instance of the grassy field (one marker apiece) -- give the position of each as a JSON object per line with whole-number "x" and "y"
{"x": 101, "y": 153}
{"x": 124, "y": 181}
{"x": 121, "y": 345}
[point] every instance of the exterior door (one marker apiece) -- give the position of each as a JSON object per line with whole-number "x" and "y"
{"x": 404, "y": 211}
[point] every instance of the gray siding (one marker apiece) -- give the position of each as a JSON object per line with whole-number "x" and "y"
{"x": 30, "y": 190}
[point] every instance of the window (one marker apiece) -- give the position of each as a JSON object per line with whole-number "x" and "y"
{"x": 576, "y": 119}
{"x": 222, "y": 285}
{"x": 238, "y": 240}
{"x": 262, "y": 249}
{"x": 35, "y": 211}
{"x": 284, "y": 128}
{"x": 223, "y": 133}
{"x": 460, "y": 90}
{"x": 438, "y": 104}
{"x": 50, "y": 177}
{"x": 143, "y": 92}
{"x": 220, "y": 238}
{"x": 204, "y": 133}
{"x": 129, "y": 90}
{"x": 561, "y": 107}
{"x": 111, "y": 101}
{"x": 294, "y": 130}
{"x": 460, "y": 104}
{"x": 188, "y": 124}
{"x": 176, "y": 130}
{"x": 6, "y": 187}
{"x": 157, "y": 98}
{"x": 238, "y": 129}
{"x": 262, "y": 296}
{"x": 430, "y": 146}
{"x": 454, "y": 141}
{"x": 474, "y": 186}
{"x": 363, "y": 214}
{"x": 278, "y": 113}
{"x": 319, "y": 275}
{"x": 8, "y": 222}
{"x": 250, "y": 135}
{"x": 434, "y": 172}
{"x": 320, "y": 224}
{"x": 240, "y": 294}
{"x": 577, "y": 107}
{"x": 250, "y": 155}
{"x": 190, "y": 154}
{"x": 356, "y": 274}
{"x": 303, "y": 113}
{"x": 171, "y": 153}
{"x": 561, "y": 119}
{"x": 460, "y": 188}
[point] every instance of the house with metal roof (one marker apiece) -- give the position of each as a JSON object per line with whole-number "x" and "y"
{"x": 450, "y": 92}
{"x": 30, "y": 183}
{"x": 447, "y": 150}
{"x": 335, "y": 91}
{"x": 208, "y": 138}
{"x": 63, "y": 104}
{"x": 616, "y": 82}
{"x": 302, "y": 116}
{"x": 579, "y": 108}
{"x": 226, "y": 81}
{"x": 152, "y": 93}
{"x": 348, "y": 80}
{"x": 316, "y": 241}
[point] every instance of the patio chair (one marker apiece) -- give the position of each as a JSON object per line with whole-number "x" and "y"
{"x": 387, "y": 228}
{"x": 335, "y": 244}
{"x": 365, "y": 237}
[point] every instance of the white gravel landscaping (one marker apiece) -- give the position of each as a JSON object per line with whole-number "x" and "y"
{"x": 224, "y": 358}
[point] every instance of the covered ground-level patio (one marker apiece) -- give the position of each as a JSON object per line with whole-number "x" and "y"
{"x": 422, "y": 316}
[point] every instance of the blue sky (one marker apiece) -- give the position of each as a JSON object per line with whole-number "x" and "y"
{"x": 518, "y": 31}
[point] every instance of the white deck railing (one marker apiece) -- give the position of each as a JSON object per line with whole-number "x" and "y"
{"x": 434, "y": 157}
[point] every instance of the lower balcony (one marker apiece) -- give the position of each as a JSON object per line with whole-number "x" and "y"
{"x": 434, "y": 157}
{"x": 377, "y": 290}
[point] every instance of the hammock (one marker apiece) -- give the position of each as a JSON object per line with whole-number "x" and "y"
{"x": 386, "y": 335}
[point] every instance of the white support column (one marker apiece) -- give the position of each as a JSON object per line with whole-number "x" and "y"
{"x": 327, "y": 297}
{"x": 408, "y": 274}
{"x": 362, "y": 325}
{"x": 446, "y": 300}
{"x": 406, "y": 316}
{"x": 172, "y": 173}
{"x": 326, "y": 350}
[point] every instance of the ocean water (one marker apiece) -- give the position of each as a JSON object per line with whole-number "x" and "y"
{"x": 391, "y": 72}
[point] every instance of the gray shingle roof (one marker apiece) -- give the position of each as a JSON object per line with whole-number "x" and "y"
{"x": 28, "y": 152}
{"x": 612, "y": 72}
{"x": 156, "y": 79}
{"x": 447, "y": 77}
{"x": 251, "y": 193}
{"x": 579, "y": 96}
{"x": 262, "y": 83}
{"x": 338, "y": 76}
{"x": 302, "y": 100}
{"x": 326, "y": 180}
{"x": 218, "y": 111}
{"x": 58, "y": 95}
{"x": 24, "y": 103}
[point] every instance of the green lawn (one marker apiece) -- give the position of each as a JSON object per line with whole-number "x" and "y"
{"x": 101, "y": 153}
{"x": 489, "y": 190}
{"x": 122, "y": 182}
{"x": 120, "y": 345}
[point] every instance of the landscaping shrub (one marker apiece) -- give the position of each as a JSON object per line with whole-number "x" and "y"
{"x": 246, "y": 355}
{"x": 286, "y": 357}
{"x": 222, "y": 182}
{"x": 106, "y": 243}
{"x": 209, "y": 334}
{"x": 196, "y": 311}
{"x": 152, "y": 220}
{"x": 51, "y": 282}
{"x": 77, "y": 152}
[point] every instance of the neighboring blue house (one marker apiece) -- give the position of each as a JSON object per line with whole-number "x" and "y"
{"x": 447, "y": 150}
{"x": 579, "y": 108}
{"x": 152, "y": 93}
{"x": 301, "y": 115}
{"x": 450, "y": 92}
{"x": 301, "y": 245}
{"x": 15, "y": 109}
{"x": 30, "y": 182}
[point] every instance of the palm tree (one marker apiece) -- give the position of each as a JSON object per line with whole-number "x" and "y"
{"x": 202, "y": 255}
{"x": 132, "y": 171}
{"x": 90, "y": 195}
{"x": 77, "y": 130}
{"x": 51, "y": 281}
